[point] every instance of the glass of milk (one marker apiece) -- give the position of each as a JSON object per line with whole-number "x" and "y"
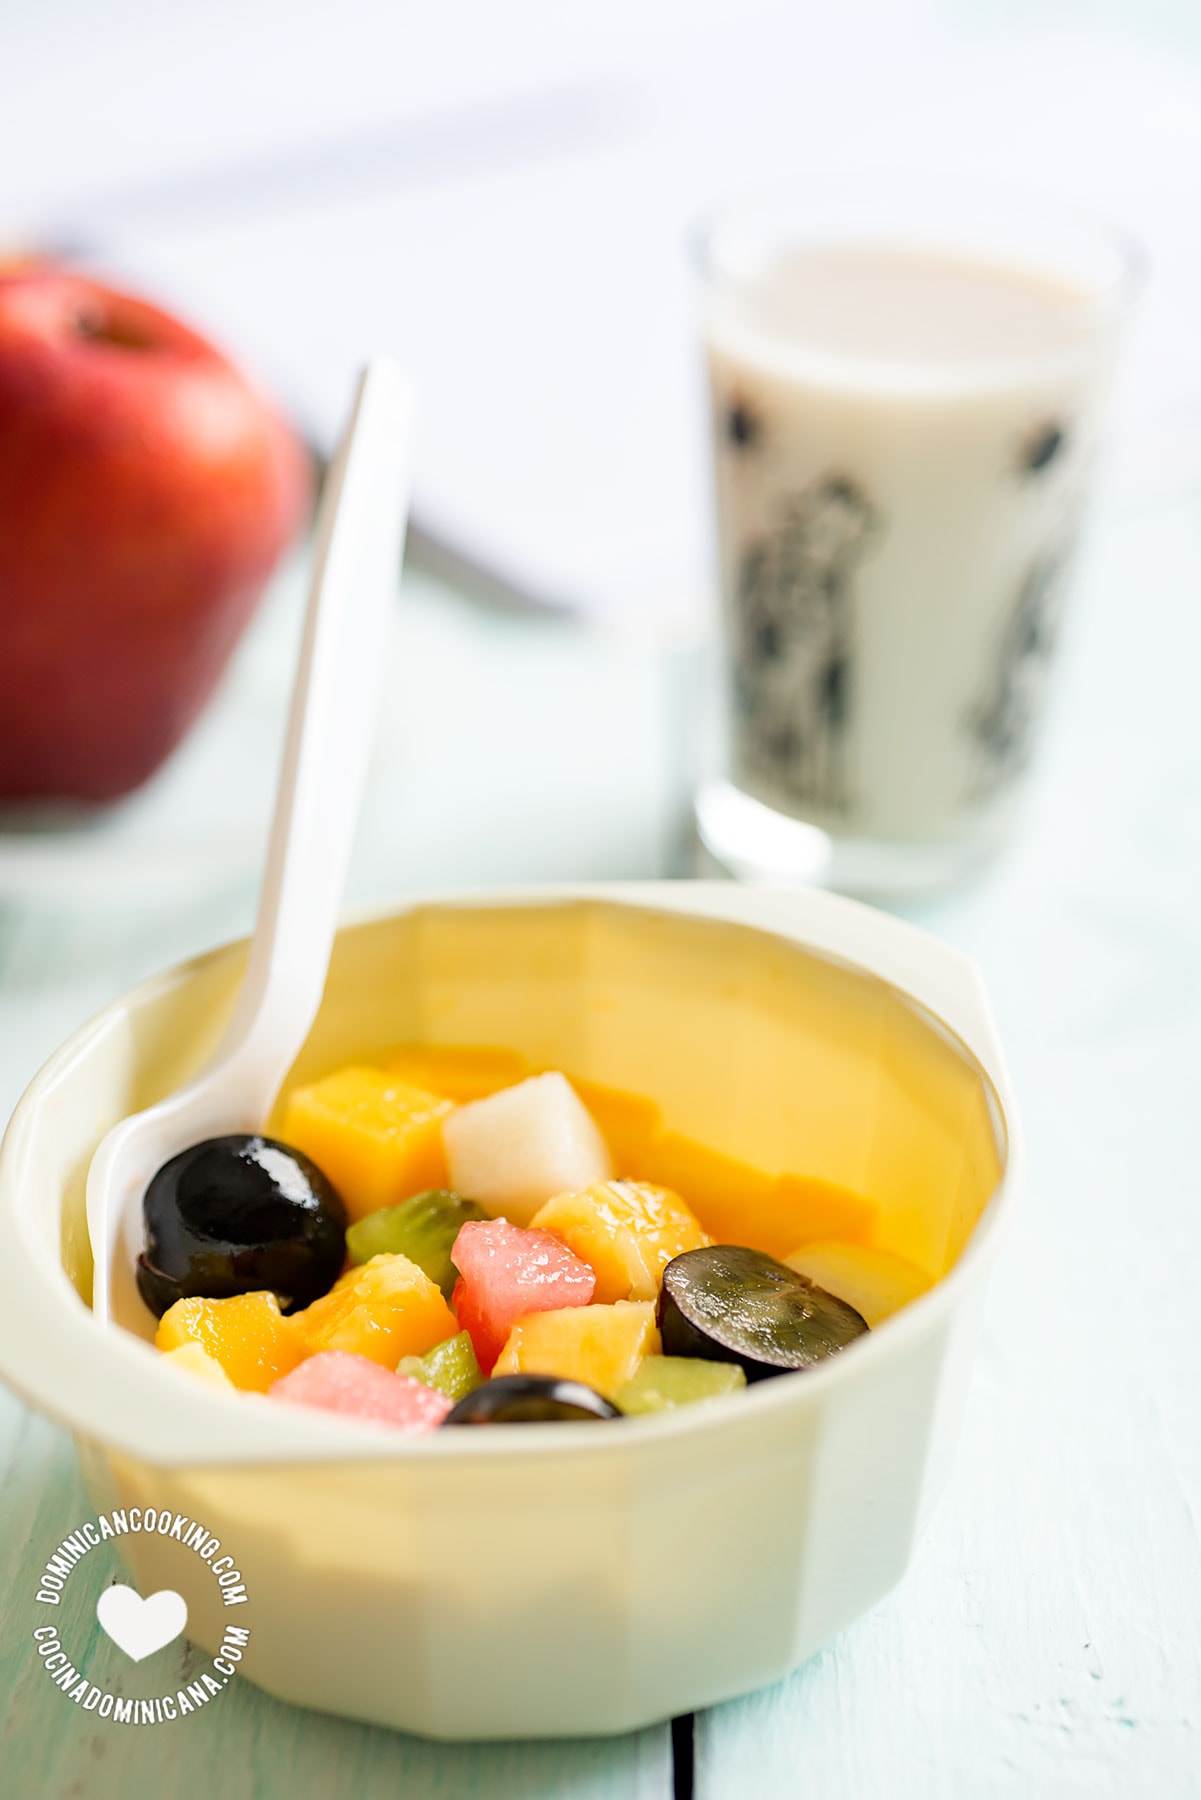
{"x": 907, "y": 392}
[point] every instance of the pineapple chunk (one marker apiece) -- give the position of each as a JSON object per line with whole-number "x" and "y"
{"x": 384, "y": 1310}
{"x": 378, "y": 1139}
{"x": 875, "y": 1282}
{"x": 598, "y": 1345}
{"x": 627, "y": 1230}
{"x": 246, "y": 1335}
{"x": 194, "y": 1360}
{"x": 514, "y": 1150}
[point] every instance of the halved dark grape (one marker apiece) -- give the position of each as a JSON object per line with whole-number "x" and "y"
{"x": 730, "y": 1304}
{"x": 235, "y": 1214}
{"x": 531, "y": 1400}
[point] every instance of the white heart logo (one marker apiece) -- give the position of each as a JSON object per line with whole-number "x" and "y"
{"x": 140, "y": 1627}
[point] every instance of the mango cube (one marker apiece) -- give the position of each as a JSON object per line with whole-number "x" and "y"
{"x": 627, "y": 1230}
{"x": 458, "y": 1072}
{"x": 739, "y": 1204}
{"x": 246, "y": 1335}
{"x": 601, "y": 1346}
{"x": 875, "y": 1282}
{"x": 514, "y": 1150}
{"x": 628, "y": 1122}
{"x": 384, "y": 1310}
{"x": 378, "y": 1139}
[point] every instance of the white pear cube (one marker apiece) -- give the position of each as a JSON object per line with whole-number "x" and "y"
{"x": 513, "y": 1151}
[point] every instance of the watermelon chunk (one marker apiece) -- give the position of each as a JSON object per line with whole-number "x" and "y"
{"x": 505, "y": 1272}
{"x": 341, "y": 1382}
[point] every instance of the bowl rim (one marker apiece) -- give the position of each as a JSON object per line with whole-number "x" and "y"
{"x": 111, "y": 1389}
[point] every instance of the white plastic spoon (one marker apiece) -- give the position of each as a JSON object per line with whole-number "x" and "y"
{"x": 359, "y": 542}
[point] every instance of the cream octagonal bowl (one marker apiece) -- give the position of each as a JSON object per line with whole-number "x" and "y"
{"x": 529, "y": 1581}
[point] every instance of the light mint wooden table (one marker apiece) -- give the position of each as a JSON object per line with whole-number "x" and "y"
{"x": 1047, "y": 1641}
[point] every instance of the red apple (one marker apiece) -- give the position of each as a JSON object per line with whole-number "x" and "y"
{"x": 146, "y": 493}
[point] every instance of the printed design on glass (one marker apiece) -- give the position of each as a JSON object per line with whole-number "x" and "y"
{"x": 1041, "y": 446}
{"x": 742, "y": 425}
{"x": 793, "y": 642}
{"x": 1005, "y": 718}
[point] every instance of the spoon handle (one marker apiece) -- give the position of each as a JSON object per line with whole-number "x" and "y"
{"x": 359, "y": 543}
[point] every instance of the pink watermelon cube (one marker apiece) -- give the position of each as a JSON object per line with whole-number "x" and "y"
{"x": 506, "y": 1271}
{"x": 361, "y": 1389}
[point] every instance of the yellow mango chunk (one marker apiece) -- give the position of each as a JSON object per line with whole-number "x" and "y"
{"x": 627, "y": 1121}
{"x": 818, "y": 1211}
{"x": 378, "y": 1139}
{"x": 598, "y": 1345}
{"x": 458, "y": 1072}
{"x": 627, "y": 1231}
{"x": 386, "y": 1309}
{"x": 739, "y": 1204}
{"x": 875, "y": 1282}
{"x": 246, "y": 1335}
{"x": 198, "y": 1363}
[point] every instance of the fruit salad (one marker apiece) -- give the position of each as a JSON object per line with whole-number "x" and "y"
{"x": 450, "y": 1238}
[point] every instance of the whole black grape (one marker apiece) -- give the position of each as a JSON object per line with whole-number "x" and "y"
{"x": 531, "y": 1400}
{"x": 235, "y": 1214}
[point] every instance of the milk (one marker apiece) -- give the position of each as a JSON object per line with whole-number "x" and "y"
{"x": 903, "y": 440}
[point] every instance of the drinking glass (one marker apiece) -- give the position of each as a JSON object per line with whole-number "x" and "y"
{"x": 908, "y": 383}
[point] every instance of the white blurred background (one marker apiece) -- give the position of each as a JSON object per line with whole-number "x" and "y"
{"x": 500, "y": 192}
